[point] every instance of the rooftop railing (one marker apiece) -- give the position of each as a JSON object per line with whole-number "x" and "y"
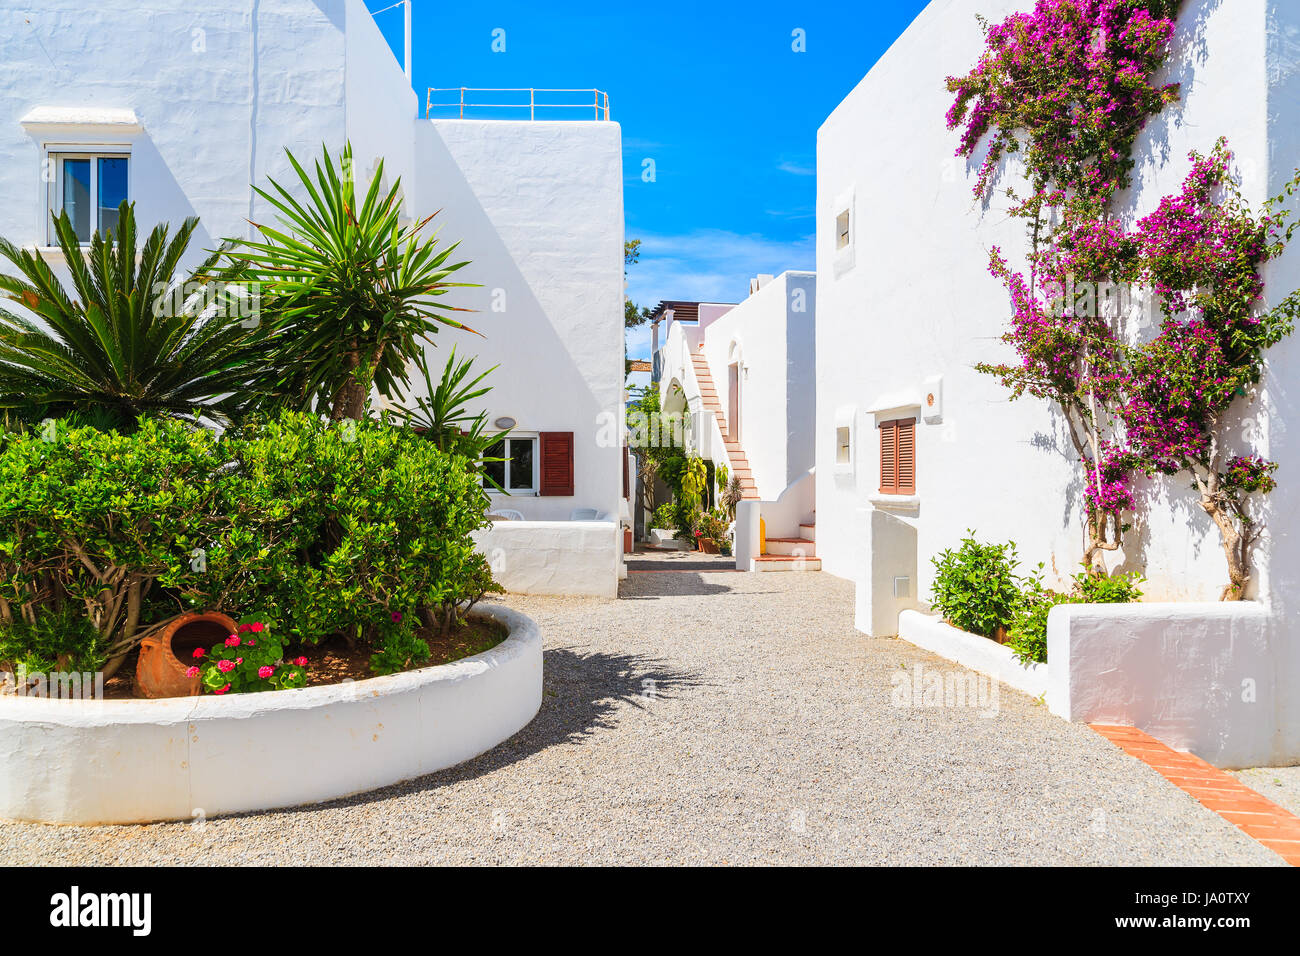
{"x": 461, "y": 102}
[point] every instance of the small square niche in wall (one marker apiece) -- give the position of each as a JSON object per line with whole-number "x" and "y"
{"x": 842, "y": 230}
{"x": 843, "y": 446}
{"x": 845, "y": 227}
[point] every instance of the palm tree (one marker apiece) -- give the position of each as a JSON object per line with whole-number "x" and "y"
{"x": 350, "y": 291}
{"x": 129, "y": 340}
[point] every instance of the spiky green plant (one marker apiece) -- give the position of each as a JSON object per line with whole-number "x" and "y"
{"x": 128, "y": 339}
{"x": 351, "y": 292}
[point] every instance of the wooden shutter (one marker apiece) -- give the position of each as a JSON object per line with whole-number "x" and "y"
{"x": 557, "y": 464}
{"x": 898, "y": 457}
{"x": 907, "y": 457}
{"x": 627, "y": 483}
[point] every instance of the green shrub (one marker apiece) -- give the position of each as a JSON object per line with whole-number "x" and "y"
{"x": 62, "y": 640}
{"x": 664, "y": 517}
{"x": 1028, "y": 637}
{"x": 373, "y": 534}
{"x": 976, "y": 587}
{"x": 356, "y": 528}
{"x": 92, "y": 522}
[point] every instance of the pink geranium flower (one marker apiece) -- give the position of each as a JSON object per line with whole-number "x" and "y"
{"x": 191, "y": 672}
{"x": 222, "y": 690}
{"x": 198, "y": 652}
{"x": 225, "y": 666}
{"x": 265, "y": 671}
{"x": 256, "y": 627}
{"x": 232, "y": 640}
{"x": 300, "y": 661}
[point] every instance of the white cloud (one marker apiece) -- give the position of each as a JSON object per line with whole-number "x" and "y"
{"x": 706, "y": 265}
{"x": 796, "y": 169}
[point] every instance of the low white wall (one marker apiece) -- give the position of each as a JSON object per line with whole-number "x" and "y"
{"x": 554, "y": 557}
{"x": 971, "y": 650}
{"x": 1211, "y": 678}
{"x": 130, "y": 761}
{"x": 794, "y": 506}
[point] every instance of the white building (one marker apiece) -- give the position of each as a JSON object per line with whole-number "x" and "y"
{"x": 905, "y": 310}
{"x": 744, "y": 377}
{"x": 179, "y": 107}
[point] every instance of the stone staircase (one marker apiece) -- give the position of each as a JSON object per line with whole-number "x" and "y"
{"x": 739, "y": 464}
{"x": 783, "y": 554}
{"x": 792, "y": 554}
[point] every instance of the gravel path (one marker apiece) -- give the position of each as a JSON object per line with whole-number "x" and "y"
{"x": 1279, "y": 784}
{"x": 725, "y": 718}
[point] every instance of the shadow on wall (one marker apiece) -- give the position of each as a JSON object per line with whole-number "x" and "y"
{"x": 522, "y": 321}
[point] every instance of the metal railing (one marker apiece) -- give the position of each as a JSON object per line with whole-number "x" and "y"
{"x": 468, "y": 98}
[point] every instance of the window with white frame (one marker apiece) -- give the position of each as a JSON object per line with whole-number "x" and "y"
{"x": 88, "y": 184}
{"x": 516, "y": 471}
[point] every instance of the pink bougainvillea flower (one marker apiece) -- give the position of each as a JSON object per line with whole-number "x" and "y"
{"x": 397, "y": 616}
{"x": 265, "y": 671}
{"x": 191, "y": 672}
{"x": 232, "y": 640}
{"x": 225, "y": 666}
{"x": 300, "y": 661}
{"x": 222, "y": 690}
{"x": 198, "y": 652}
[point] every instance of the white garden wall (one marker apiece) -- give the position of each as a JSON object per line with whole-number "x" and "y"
{"x": 134, "y": 761}
{"x": 1217, "y": 679}
{"x": 554, "y": 557}
{"x": 909, "y": 308}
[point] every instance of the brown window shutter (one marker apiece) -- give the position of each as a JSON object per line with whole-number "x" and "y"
{"x": 907, "y": 457}
{"x": 557, "y": 464}
{"x": 627, "y": 485}
{"x": 889, "y": 458}
{"x": 898, "y": 457}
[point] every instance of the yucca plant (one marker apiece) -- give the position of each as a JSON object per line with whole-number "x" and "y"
{"x": 130, "y": 338}
{"x": 351, "y": 292}
{"x": 442, "y": 415}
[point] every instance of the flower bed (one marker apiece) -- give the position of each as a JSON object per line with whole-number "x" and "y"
{"x": 130, "y": 761}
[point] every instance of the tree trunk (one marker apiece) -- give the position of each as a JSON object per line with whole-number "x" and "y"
{"x": 350, "y": 399}
{"x": 1236, "y": 549}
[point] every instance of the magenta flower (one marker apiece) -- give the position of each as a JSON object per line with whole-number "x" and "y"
{"x": 198, "y": 652}
{"x": 222, "y": 690}
{"x": 265, "y": 671}
{"x": 232, "y": 640}
{"x": 191, "y": 672}
{"x": 225, "y": 666}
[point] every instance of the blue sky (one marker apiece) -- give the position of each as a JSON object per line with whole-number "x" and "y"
{"x": 714, "y": 94}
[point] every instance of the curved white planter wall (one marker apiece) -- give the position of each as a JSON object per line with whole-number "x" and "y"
{"x": 129, "y": 761}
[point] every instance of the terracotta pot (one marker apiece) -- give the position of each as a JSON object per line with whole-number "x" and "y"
{"x": 708, "y": 546}
{"x": 1000, "y": 635}
{"x": 167, "y": 655}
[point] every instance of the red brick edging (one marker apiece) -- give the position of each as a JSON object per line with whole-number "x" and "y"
{"x": 1255, "y": 815}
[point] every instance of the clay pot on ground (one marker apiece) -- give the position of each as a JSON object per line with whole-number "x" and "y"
{"x": 708, "y": 546}
{"x": 167, "y": 655}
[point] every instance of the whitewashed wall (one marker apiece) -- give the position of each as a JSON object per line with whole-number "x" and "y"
{"x": 772, "y": 333}
{"x": 916, "y": 300}
{"x": 538, "y": 210}
{"x": 219, "y": 88}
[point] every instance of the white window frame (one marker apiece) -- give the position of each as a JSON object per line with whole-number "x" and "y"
{"x": 55, "y": 154}
{"x": 535, "y": 486}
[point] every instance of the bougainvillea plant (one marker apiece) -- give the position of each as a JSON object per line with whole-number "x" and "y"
{"x": 1069, "y": 87}
{"x": 249, "y": 660}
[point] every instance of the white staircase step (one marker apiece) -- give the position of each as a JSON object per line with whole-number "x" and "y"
{"x": 792, "y": 546}
{"x": 808, "y": 531}
{"x": 781, "y": 562}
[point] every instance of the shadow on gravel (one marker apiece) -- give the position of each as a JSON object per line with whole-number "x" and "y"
{"x": 650, "y": 586}
{"x": 580, "y": 694}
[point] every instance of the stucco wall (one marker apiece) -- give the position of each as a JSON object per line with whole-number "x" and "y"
{"x": 554, "y": 557}
{"x": 915, "y": 309}
{"x": 538, "y": 211}
{"x": 772, "y": 333}
{"x": 219, "y": 88}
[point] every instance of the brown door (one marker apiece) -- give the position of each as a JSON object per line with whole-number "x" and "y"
{"x": 733, "y": 402}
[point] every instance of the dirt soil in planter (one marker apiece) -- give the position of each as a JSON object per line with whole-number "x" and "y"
{"x": 332, "y": 661}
